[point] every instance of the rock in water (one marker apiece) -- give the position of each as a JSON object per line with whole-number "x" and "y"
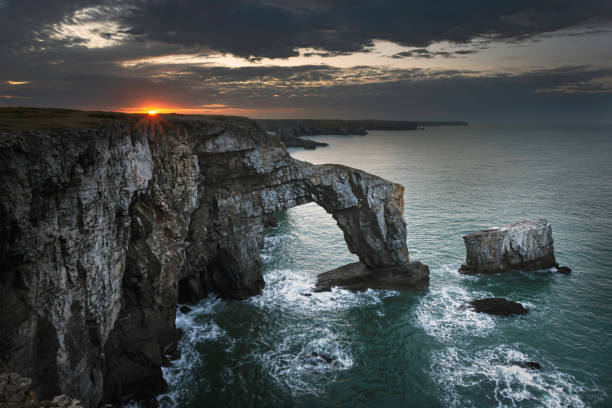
{"x": 526, "y": 245}
{"x": 185, "y": 309}
{"x": 323, "y": 357}
{"x": 564, "y": 269}
{"x": 269, "y": 220}
{"x": 497, "y": 306}
{"x": 357, "y": 276}
{"x": 531, "y": 365}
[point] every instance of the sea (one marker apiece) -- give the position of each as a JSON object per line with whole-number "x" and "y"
{"x": 290, "y": 347}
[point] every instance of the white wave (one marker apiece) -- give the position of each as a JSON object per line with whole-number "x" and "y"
{"x": 198, "y": 327}
{"x": 498, "y": 382}
{"x": 272, "y": 241}
{"x": 286, "y": 288}
{"x": 443, "y": 314}
{"x": 298, "y": 357}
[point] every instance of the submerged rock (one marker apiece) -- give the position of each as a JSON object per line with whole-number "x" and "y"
{"x": 531, "y": 365}
{"x": 322, "y": 357}
{"x": 526, "y": 245}
{"x": 185, "y": 309}
{"x": 497, "y": 306}
{"x": 564, "y": 269}
{"x": 357, "y": 276}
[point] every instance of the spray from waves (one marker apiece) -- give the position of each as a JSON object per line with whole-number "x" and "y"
{"x": 307, "y": 361}
{"x": 306, "y": 357}
{"x": 298, "y": 353}
{"x": 198, "y": 327}
{"x": 443, "y": 313}
{"x": 503, "y": 384}
{"x": 290, "y": 289}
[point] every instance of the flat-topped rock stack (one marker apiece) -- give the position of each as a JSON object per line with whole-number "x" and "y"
{"x": 525, "y": 245}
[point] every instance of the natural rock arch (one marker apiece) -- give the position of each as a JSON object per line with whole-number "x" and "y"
{"x": 367, "y": 209}
{"x": 103, "y": 230}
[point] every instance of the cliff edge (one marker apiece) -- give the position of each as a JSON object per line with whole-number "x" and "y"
{"x": 104, "y": 227}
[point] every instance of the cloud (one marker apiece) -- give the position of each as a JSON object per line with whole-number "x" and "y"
{"x": 279, "y": 28}
{"x": 425, "y": 53}
{"x": 465, "y": 52}
{"x": 326, "y": 91}
{"x": 91, "y": 27}
{"x": 72, "y": 52}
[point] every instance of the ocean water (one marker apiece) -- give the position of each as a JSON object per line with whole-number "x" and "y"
{"x": 290, "y": 348}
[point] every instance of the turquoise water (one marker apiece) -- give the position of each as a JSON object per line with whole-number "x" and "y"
{"x": 391, "y": 349}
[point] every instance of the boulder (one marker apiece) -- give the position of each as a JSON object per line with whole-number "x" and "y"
{"x": 15, "y": 390}
{"x": 185, "y": 309}
{"x": 356, "y": 276}
{"x": 526, "y": 245}
{"x": 531, "y": 365}
{"x": 497, "y": 306}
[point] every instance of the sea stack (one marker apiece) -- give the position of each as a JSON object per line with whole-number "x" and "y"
{"x": 525, "y": 245}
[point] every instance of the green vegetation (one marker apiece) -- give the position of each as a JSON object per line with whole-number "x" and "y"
{"x": 20, "y": 118}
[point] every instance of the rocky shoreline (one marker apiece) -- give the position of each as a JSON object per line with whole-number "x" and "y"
{"x": 104, "y": 228}
{"x": 290, "y": 131}
{"x": 107, "y": 226}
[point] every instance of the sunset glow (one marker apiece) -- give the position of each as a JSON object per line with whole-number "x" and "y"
{"x": 210, "y": 109}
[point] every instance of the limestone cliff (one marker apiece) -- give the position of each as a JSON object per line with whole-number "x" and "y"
{"x": 104, "y": 229}
{"x": 526, "y": 245}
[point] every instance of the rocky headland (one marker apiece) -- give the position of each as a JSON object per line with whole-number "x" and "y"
{"x": 108, "y": 221}
{"x": 289, "y": 131}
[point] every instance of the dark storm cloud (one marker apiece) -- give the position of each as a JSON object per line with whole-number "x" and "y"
{"x": 275, "y": 29}
{"x": 425, "y": 53}
{"x": 465, "y": 52}
{"x": 63, "y": 71}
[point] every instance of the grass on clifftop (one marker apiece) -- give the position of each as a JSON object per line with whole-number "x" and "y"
{"x": 18, "y": 118}
{"x": 22, "y": 118}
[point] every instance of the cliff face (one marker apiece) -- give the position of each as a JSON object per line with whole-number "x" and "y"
{"x": 290, "y": 130}
{"x": 526, "y": 245}
{"x": 103, "y": 230}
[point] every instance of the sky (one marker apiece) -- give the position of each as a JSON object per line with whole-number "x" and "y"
{"x": 380, "y": 59}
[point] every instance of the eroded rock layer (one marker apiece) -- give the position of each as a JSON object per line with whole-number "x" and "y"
{"x": 103, "y": 230}
{"x": 526, "y": 245}
{"x": 357, "y": 277}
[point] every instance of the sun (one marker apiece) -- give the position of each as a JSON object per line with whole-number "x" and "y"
{"x": 152, "y": 112}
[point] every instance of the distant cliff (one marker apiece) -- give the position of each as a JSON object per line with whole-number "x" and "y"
{"x": 289, "y": 131}
{"x": 107, "y": 221}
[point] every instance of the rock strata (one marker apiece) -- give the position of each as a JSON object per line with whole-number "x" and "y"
{"x": 526, "y": 245}
{"x": 15, "y": 390}
{"x": 497, "y": 306}
{"x": 104, "y": 230}
{"x": 357, "y": 277}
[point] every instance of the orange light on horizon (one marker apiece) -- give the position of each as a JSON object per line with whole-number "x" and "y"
{"x": 209, "y": 109}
